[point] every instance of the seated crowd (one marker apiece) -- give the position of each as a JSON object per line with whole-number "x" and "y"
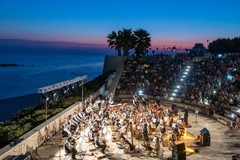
{"x": 214, "y": 81}
{"x": 153, "y": 74}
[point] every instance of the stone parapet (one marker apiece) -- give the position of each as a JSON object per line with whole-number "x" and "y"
{"x": 37, "y": 136}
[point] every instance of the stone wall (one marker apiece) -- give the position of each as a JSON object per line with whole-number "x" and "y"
{"x": 111, "y": 63}
{"x": 34, "y": 138}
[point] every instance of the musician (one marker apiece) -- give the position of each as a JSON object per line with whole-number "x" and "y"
{"x": 156, "y": 146}
{"x": 66, "y": 130}
{"x": 145, "y": 134}
{"x": 173, "y": 139}
{"x": 70, "y": 147}
{"x": 135, "y": 101}
{"x": 186, "y": 115}
{"x": 99, "y": 143}
{"x": 177, "y": 132}
{"x": 88, "y": 110}
{"x": 90, "y": 135}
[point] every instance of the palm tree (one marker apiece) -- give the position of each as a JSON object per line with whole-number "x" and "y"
{"x": 127, "y": 40}
{"x": 114, "y": 42}
{"x": 142, "y": 41}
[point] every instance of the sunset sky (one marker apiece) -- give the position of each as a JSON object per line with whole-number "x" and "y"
{"x": 176, "y": 22}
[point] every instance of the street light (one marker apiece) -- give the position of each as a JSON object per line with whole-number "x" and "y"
{"x": 178, "y": 86}
{"x": 46, "y": 111}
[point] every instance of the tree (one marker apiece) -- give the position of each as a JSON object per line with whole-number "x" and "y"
{"x": 126, "y": 40}
{"x": 225, "y": 45}
{"x": 114, "y": 42}
{"x": 198, "y": 50}
{"x": 142, "y": 41}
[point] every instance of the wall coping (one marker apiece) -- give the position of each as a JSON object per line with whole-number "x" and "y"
{"x": 37, "y": 136}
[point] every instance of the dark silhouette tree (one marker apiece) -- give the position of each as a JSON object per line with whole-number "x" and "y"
{"x": 114, "y": 42}
{"x": 142, "y": 41}
{"x": 198, "y": 50}
{"x": 225, "y": 45}
{"x": 126, "y": 40}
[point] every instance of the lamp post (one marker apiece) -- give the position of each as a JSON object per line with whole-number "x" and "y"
{"x": 46, "y": 114}
{"x": 46, "y": 111}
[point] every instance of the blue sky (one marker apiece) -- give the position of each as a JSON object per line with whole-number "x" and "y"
{"x": 181, "y": 23}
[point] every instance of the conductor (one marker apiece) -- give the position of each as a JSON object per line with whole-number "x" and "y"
{"x": 186, "y": 115}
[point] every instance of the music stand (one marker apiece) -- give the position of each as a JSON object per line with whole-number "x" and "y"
{"x": 196, "y": 112}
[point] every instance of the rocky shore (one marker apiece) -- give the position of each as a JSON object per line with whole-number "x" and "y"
{"x": 14, "y": 65}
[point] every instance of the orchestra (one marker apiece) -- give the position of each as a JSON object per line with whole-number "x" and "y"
{"x": 156, "y": 125}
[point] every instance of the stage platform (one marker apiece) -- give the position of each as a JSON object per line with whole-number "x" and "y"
{"x": 224, "y": 143}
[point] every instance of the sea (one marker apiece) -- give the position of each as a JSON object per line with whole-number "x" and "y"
{"x": 42, "y": 64}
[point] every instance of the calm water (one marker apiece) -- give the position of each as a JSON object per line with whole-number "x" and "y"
{"x": 50, "y": 65}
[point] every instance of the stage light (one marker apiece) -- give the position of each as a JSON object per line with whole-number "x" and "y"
{"x": 181, "y": 79}
{"x": 189, "y": 150}
{"x": 178, "y": 86}
{"x": 219, "y": 55}
{"x": 229, "y": 77}
{"x": 140, "y": 92}
{"x": 187, "y": 69}
{"x": 171, "y": 98}
{"x": 188, "y": 66}
{"x": 174, "y": 94}
{"x": 175, "y": 90}
{"x": 185, "y": 73}
{"x": 184, "y": 76}
{"x": 214, "y": 91}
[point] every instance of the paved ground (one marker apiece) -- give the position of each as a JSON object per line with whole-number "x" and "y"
{"x": 225, "y": 143}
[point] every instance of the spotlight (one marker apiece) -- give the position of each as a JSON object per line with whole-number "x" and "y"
{"x": 219, "y": 55}
{"x": 174, "y": 94}
{"x": 178, "y": 86}
{"x": 214, "y": 91}
{"x": 184, "y": 76}
{"x": 140, "y": 92}
{"x": 229, "y": 77}
{"x": 171, "y": 98}
{"x": 181, "y": 79}
{"x": 185, "y": 73}
{"x": 188, "y": 67}
{"x": 175, "y": 90}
